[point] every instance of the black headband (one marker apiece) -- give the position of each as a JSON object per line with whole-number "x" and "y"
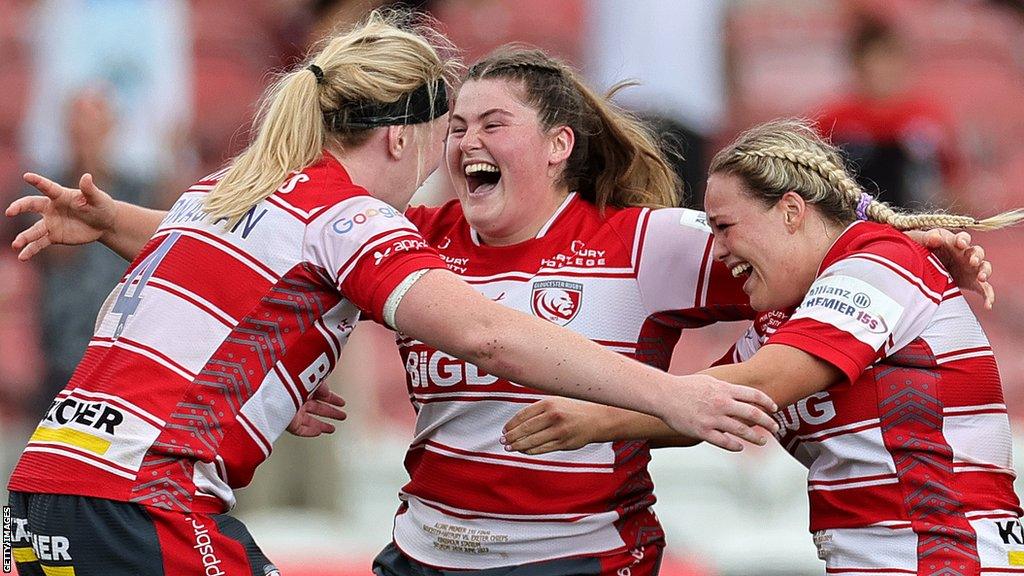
{"x": 413, "y": 108}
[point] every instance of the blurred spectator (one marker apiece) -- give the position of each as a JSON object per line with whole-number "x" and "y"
{"x": 901, "y": 141}
{"x": 76, "y": 279}
{"x": 140, "y": 49}
{"x": 675, "y": 51}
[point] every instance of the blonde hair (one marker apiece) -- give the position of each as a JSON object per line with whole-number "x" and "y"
{"x": 616, "y": 159}
{"x": 387, "y": 56}
{"x": 789, "y": 155}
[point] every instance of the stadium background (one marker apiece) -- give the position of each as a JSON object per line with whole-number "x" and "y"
{"x": 151, "y": 94}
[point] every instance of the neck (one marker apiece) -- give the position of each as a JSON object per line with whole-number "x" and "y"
{"x": 363, "y": 164}
{"x": 823, "y": 242}
{"x": 528, "y": 231}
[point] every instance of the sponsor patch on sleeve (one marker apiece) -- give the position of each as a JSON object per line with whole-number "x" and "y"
{"x": 854, "y": 306}
{"x": 695, "y": 219}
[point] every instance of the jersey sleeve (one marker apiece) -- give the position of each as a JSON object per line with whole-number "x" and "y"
{"x": 368, "y": 248}
{"x": 677, "y": 271}
{"x": 861, "y": 308}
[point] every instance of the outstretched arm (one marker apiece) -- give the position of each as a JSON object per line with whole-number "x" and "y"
{"x": 80, "y": 216}
{"x": 448, "y": 314}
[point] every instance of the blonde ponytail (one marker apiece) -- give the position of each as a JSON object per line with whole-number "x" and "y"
{"x": 386, "y": 57}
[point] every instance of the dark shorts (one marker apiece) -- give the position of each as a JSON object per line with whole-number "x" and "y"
{"x": 645, "y": 561}
{"x": 60, "y": 535}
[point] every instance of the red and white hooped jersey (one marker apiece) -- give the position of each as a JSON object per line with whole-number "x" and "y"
{"x": 213, "y": 339}
{"x": 629, "y": 281}
{"x": 909, "y": 459}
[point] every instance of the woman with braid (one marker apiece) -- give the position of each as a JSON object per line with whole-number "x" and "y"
{"x": 891, "y": 392}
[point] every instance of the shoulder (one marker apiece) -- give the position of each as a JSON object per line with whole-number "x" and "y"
{"x": 878, "y": 247}
{"x": 436, "y": 221}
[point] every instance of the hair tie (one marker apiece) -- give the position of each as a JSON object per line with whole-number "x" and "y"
{"x": 862, "y": 206}
{"x": 318, "y": 72}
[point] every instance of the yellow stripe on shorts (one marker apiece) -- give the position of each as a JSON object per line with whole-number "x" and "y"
{"x": 58, "y": 570}
{"x": 72, "y": 437}
{"x": 1015, "y": 558}
{"x": 24, "y": 554}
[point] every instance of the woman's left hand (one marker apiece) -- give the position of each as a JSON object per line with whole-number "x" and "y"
{"x": 323, "y": 403}
{"x": 965, "y": 262}
{"x": 550, "y": 425}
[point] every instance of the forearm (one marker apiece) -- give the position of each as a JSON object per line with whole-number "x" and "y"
{"x": 616, "y": 424}
{"x": 515, "y": 346}
{"x": 130, "y": 229}
{"x": 449, "y": 315}
{"x": 784, "y": 373}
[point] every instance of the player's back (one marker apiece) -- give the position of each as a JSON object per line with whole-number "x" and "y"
{"x": 208, "y": 345}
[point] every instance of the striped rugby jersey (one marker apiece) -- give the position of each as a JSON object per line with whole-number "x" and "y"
{"x": 213, "y": 339}
{"x": 909, "y": 458}
{"x": 630, "y": 281}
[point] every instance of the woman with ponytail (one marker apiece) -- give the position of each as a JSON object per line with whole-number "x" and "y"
{"x": 237, "y": 308}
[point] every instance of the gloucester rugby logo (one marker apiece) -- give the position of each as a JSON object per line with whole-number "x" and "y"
{"x": 557, "y": 301}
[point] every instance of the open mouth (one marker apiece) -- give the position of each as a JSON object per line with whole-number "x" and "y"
{"x": 740, "y": 269}
{"x": 481, "y": 177}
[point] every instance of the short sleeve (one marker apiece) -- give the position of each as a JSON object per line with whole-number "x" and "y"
{"x": 860, "y": 309}
{"x": 677, "y": 270}
{"x": 368, "y": 248}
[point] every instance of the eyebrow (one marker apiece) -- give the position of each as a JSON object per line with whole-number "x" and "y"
{"x": 485, "y": 114}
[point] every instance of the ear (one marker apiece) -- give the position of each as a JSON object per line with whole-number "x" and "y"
{"x": 397, "y": 138}
{"x": 562, "y": 141}
{"x": 794, "y": 210}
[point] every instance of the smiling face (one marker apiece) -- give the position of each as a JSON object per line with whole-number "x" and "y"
{"x": 769, "y": 245}
{"x": 504, "y": 166}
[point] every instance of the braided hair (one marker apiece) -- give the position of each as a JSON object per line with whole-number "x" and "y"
{"x": 789, "y": 156}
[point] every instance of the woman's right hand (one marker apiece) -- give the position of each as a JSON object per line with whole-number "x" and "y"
{"x": 718, "y": 412}
{"x": 69, "y": 215}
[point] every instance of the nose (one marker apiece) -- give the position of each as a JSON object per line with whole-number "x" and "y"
{"x": 470, "y": 140}
{"x": 719, "y": 250}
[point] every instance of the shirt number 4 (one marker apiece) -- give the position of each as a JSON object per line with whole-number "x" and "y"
{"x": 128, "y": 299}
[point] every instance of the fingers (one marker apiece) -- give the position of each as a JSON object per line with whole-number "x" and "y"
{"x": 743, "y": 431}
{"x": 724, "y": 441}
{"x": 544, "y": 448}
{"x": 750, "y": 415}
{"x": 29, "y": 235}
{"x": 35, "y": 204}
{"x": 977, "y": 256}
{"x": 31, "y": 241}
{"x": 962, "y": 240}
{"x": 525, "y": 414}
{"x": 990, "y": 295}
{"x": 524, "y": 429}
{"x": 48, "y": 187}
{"x": 325, "y": 410}
{"x": 986, "y": 272}
{"x": 89, "y": 188}
{"x": 324, "y": 394}
{"x": 752, "y": 396}
{"x": 546, "y": 437}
